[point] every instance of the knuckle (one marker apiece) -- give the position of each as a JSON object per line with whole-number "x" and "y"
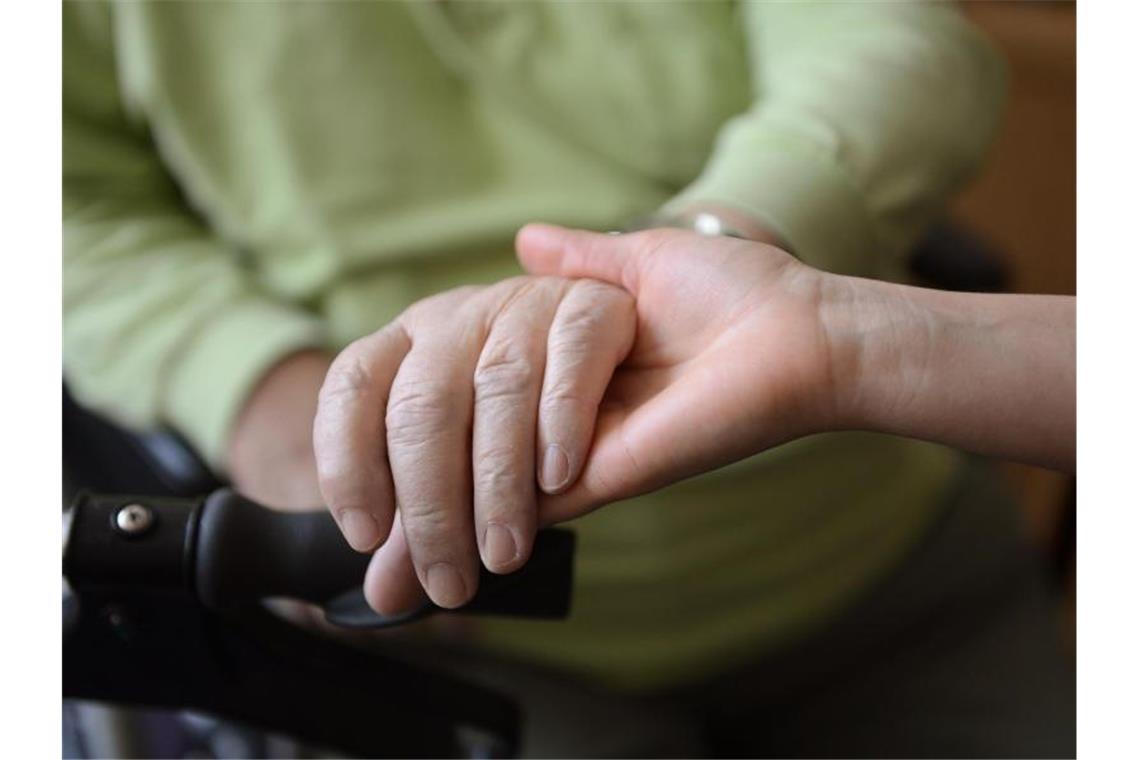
{"x": 420, "y": 412}
{"x": 574, "y": 339}
{"x": 563, "y": 394}
{"x": 504, "y": 370}
{"x": 447, "y": 308}
{"x": 580, "y": 322}
{"x": 497, "y": 470}
{"x": 348, "y": 377}
{"x": 595, "y": 320}
{"x": 593, "y": 305}
{"x": 428, "y": 525}
{"x": 443, "y": 303}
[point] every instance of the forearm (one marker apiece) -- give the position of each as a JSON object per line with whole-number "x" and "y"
{"x": 992, "y": 374}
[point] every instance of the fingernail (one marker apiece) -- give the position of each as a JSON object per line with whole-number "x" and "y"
{"x": 499, "y": 547}
{"x": 360, "y": 529}
{"x": 555, "y": 468}
{"x": 445, "y": 585}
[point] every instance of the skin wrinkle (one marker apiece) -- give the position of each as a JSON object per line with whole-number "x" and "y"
{"x": 576, "y": 313}
{"x": 502, "y": 472}
{"x": 348, "y": 376}
{"x": 916, "y": 364}
{"x": 575, "y": 330}
{"x": 818, "y": 405}
{"x": 847, "y": 319}
{"x": 415, "y": 415}
{"x": 888, "y": 331}
{"x": 510, "y": 367}
{"x": 504, "y": 377}
{"x": 505, "y": 367}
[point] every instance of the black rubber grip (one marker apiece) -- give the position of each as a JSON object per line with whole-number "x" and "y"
{"x": 246, "y": 552}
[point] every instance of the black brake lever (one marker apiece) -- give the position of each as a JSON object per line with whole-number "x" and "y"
{"x": 229, "y": 551}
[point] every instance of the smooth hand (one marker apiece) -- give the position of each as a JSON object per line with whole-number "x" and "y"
{"x": 731, "y": 355}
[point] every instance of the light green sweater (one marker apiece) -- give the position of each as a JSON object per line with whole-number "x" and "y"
{"x": 244, "y": 180}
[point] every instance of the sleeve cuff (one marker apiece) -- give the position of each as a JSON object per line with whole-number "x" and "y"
{"x": 792, "y": 186}
{"x": 223, "y": 362}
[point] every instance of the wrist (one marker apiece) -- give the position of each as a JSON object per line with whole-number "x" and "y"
{"x": 879, "y": 342}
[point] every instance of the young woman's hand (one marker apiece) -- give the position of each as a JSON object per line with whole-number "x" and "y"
{"x": 732, "y": 355}
{"x": 740, "y": 347}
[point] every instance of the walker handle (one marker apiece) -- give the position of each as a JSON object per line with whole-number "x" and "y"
{"x": 230, "y": 551}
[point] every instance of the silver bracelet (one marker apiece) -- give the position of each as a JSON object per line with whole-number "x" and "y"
{"x": 702, "y": 223}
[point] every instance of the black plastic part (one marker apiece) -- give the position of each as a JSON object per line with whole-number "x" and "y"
{"x": 135, "y": 633}
{"x": 171, "y": 617}
{"x": 160, "y": 649}
{"x": 541, "y": 588}
{"x": 98, "y": 554}
{"x": 247, "y": 552}
{"x": 100, "y": 456}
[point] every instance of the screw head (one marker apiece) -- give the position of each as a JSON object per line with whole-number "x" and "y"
{"x": 134, "y": 519}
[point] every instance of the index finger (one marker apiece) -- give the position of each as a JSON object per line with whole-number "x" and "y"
{"x": 349, "y": 438}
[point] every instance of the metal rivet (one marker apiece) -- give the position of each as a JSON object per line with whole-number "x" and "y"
{"x": 134, "y": 519}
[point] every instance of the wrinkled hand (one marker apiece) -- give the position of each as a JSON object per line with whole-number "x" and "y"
{"x": 453, "y": 412}
{"x": 732, "y": 355}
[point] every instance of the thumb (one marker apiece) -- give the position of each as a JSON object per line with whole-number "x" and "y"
{"x": 544, "y": 249}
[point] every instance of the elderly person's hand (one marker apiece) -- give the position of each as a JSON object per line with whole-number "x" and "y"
{"x": 452, "y": 413}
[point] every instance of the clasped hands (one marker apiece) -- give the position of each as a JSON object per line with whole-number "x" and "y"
{"x": 618, "y": 365}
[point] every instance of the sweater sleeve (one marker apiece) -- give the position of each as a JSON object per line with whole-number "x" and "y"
{"x": 162, "y": 325}
{"x": 865, "y": 117}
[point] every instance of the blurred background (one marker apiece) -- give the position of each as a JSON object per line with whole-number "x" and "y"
{"x": 1024, "y": 205}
